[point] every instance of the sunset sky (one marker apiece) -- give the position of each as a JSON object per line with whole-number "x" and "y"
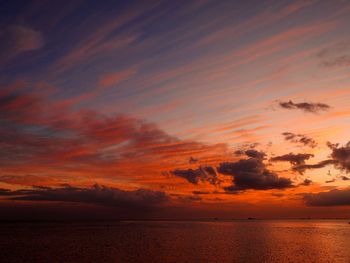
{"x": 174, "y": 109}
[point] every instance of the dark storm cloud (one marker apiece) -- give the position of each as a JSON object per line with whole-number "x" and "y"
{"x": 299, "y": 139}
{"x": 202, "y": 174}
{"x": 345, "y": 178}
{"x": 97, "y": 194}
{"x": 293, "y": 159}
{"x": 252, "y": 174}
{"x": 313, "y": 107}
{"x": 330, "y": 198}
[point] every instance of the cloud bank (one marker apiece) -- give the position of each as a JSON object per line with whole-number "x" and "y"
{"x": 101, "y": 195}
{"x": 331, "y": 198}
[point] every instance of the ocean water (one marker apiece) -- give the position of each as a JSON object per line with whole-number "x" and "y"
{"x": 167, "y": 241}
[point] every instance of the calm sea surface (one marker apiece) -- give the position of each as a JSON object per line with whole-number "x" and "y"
{"x": 237, "y": 241}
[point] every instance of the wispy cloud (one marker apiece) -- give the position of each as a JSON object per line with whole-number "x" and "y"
{"x": 85, "y": 142}
{"x": 337, "y": 55}
{"x": 341, "y": 61}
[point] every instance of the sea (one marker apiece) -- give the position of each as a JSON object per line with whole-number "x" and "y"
{"x": 176, "y": 241}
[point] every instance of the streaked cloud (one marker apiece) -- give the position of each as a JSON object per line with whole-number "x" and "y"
{"x": 337, "y": 55}
{"x": 342, "y": 61}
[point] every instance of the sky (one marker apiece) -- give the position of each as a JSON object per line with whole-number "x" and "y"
{"x": 174, "y": 109}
